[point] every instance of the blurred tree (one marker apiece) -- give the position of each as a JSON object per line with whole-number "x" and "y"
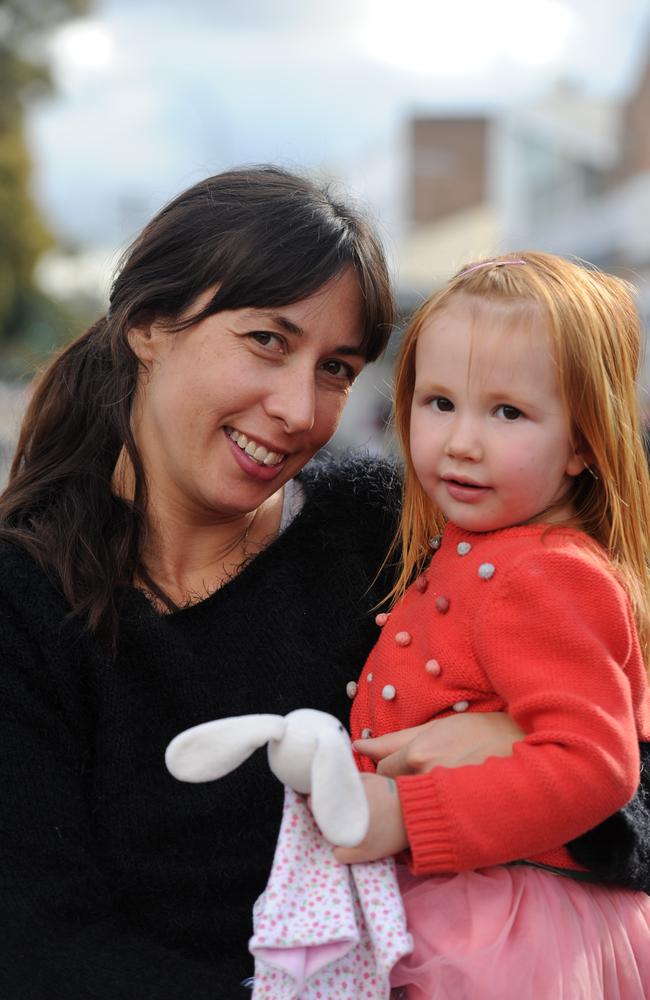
{"x": 24, "y": 77}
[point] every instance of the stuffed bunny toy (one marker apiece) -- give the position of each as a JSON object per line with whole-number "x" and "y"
{"x": 308, "y": 750}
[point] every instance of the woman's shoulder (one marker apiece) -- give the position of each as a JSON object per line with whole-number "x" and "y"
{"x": 347, "y": 522}
{"x": 41, "y": 642}
{"x": 354, "y": 479}
{"x": 16, "y": 563}
{"x": 25, "y": 585}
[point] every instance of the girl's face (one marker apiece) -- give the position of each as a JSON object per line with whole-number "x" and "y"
{"x": 231, "y": 408}
{"x": 490, "y": 439}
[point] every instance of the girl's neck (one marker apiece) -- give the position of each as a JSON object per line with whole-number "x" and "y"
{"x": 560, "y": 515}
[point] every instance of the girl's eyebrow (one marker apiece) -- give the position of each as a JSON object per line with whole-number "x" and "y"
{"x": 431, "y": 386}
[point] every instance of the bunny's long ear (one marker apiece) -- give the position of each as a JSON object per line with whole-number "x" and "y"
{"x": 338, "y": 800}
{"x": 213, "y": 749}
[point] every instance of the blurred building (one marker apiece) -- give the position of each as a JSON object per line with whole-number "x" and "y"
{"x": 452, "y": 216}
{"x": 431, "y": 190}
{"x": 574, "y": 178}
{"x": 570, "y": 174}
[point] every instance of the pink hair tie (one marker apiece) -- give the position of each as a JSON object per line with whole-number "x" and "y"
{"x": 490, "y": 263}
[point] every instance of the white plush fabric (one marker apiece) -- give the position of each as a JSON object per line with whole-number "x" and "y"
{"x": 321, "y": 928}
{"x": 307, "y": 749}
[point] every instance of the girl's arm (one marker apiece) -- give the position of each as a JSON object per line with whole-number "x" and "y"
{"x": 556, "y": 639}
{"x": 557, "y": 643}
{"x": 450, "y": 742}
{"x": 386, "y": 830}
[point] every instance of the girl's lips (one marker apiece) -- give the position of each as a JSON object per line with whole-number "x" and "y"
{"x": 465, "y": 492}
{"x": 250, "y": 466}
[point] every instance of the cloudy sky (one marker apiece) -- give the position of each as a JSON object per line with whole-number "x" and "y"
{"x": 153, "y": 94}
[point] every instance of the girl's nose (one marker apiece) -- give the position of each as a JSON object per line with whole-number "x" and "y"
{"x": 464, "y": 440}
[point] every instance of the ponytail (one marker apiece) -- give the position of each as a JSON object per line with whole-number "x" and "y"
{"x": 59, "y": 504}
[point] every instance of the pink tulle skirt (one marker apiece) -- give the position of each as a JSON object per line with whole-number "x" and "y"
{"x": 523, "y": 933}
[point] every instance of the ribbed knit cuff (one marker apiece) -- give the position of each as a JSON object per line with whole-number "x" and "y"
{"x": 429, "y": 835}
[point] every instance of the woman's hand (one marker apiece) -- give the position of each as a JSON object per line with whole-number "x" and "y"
{"x": 453, "y": 741}
{"x": 386, "y": 832}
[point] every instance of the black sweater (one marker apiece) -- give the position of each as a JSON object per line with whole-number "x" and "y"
{"x": 116, "y": 881}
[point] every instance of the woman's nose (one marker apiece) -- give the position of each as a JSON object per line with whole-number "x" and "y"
{"x": 291, "y": 398}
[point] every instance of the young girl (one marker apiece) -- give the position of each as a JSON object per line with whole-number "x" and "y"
{"x": 527, "y": 481}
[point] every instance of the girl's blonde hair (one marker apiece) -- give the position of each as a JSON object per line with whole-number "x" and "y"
{"x": 595, "y": 335}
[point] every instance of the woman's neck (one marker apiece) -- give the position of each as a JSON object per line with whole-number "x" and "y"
{"x": 189, "y": 552}
{"x": 189, "y": 559}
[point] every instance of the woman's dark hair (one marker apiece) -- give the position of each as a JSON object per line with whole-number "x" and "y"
{"x": 259, "y": 237}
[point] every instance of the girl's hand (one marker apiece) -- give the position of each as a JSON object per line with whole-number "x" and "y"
{"x": 386, "y": 833}
{"x": 453, "y": 741}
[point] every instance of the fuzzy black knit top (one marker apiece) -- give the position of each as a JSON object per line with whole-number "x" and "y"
{"x": 118, "y": 882}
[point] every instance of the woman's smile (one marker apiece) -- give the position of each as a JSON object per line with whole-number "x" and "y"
{"x": 254, "y": 449}
{"x": 257, "y": 462}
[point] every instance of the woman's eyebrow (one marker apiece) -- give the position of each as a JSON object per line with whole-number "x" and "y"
{"x": 290, "y": 327}
{"x": 286, "y": 324}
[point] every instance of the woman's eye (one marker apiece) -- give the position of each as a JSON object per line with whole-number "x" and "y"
{"x": 339, "y": 369}
{"x": 509, "y": 412}
{"x": 442, "y": 404}
{"x": 266, "y": 339}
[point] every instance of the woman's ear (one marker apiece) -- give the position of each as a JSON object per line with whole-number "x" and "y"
{"x": 145, "y": 341}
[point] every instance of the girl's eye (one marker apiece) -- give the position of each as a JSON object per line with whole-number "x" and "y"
{"x": 442, "y": 404}
{"x": 340, "y": 370}
{"x": 509, "y": 412}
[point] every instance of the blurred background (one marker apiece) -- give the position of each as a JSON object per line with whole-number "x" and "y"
{"x": 464, "y": 130}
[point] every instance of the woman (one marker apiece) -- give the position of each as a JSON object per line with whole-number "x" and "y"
{"x": 166, "y": 560}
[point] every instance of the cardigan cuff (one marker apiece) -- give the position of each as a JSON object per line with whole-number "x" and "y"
{"x": 427, "y": 828}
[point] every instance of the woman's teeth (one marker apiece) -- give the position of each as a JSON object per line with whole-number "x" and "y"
{"x": 256, "y": 451}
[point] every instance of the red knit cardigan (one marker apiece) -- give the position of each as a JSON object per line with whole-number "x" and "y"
{"x": 529, "y": 620}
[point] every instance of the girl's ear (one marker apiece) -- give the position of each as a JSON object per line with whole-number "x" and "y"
{"x": 580, "y": 458}
{"x": 576, "y": 464}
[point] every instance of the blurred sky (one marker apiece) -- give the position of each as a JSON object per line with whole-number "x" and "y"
{"x": 154, "y": 94}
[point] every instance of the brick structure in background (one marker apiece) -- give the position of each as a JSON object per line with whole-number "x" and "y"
{"x": 635, "y": 129}
{"x": 448, "y": 167}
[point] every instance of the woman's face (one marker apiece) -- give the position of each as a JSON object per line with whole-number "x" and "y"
{"x": 228, "y": 410}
